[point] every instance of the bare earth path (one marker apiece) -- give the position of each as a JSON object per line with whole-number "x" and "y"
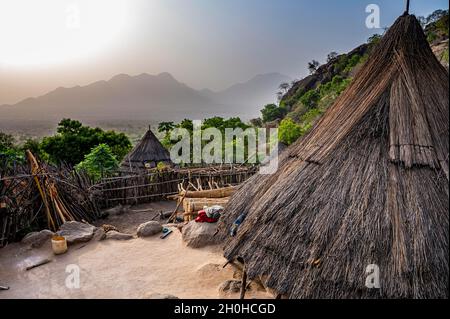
{"x": 117, "y": 269}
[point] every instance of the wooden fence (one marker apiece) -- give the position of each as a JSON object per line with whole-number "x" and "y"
{"x": 137, "y": 189}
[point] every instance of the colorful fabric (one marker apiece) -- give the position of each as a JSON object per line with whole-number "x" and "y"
{"x": 203, "y": 218}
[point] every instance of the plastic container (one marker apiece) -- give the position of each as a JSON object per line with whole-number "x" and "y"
{"x": 59, "y": 245}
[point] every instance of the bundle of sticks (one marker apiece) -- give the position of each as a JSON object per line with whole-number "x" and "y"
{"x": 46, "y": 198}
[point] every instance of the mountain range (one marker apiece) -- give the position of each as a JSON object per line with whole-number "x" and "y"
{"x": 154, "y": 97}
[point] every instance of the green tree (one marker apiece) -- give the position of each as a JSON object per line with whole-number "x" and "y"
{"x": 166, "y": 127}
{"x": 73, "y": 141}
{"x": 217, "y": 122}
{"x": 271, "y": 112}
{"x": 100, "y": 162}
{"x": 6, "y": 141}
{"x": 289, "y": 131}
{"x": 235, "y": 122}
{"x": 331, "y": 56}
{"x": 186, "y": 124}
{"x": 312, "y": 66}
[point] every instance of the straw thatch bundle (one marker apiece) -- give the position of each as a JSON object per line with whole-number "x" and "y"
{"x": 368, "y": 185}
{"x": 146, "y": 154}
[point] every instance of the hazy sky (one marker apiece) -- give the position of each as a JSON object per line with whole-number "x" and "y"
{"x": 45, "y": 44}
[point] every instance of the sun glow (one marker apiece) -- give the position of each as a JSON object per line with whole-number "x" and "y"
{"x": 47, "y": 32}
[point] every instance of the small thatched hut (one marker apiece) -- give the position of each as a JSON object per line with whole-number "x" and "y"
{"x": 146, "y": 155}
{"x": 368, "y": 185}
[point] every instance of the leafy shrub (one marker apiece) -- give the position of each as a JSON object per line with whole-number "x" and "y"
{"x": 310, "y": 99}
{"x": 100, "y": 162}
{"x": 289, "y": 131}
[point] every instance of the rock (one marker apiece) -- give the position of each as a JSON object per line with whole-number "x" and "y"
{"x": 198, "y": 235}
{"x": 99, "y": 234}
{"x": 118, "y": 236}
{"x": 149, "y": 229}
{"x": 37, "y": 239}
{"x": 230, "y": 286}
{"x": 153, "y": 295}
{"x": 76, "y": 232}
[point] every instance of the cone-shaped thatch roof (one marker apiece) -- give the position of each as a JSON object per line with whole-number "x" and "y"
{"x": 148, "y": 151}
{"x": 368, "y": 185}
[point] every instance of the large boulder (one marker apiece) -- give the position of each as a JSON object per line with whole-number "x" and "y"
{"x": 37, "y": 239}
{"x": 118, "y": 236}
{"x": 149, "y": 229}
{"x": 198, "y": 235}
{"x": 76, "y": 232}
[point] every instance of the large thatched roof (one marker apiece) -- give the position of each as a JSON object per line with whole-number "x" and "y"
{"x": 368, "y": 185}
{"x": 148, "y": 151}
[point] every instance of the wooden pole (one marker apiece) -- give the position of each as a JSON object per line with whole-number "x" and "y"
{"x": 174, "y": 214}
{"x": 407, "y": 6}
{"x": 243, "y": 283}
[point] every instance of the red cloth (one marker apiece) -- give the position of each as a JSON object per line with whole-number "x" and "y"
{"x": 203, "y": 218}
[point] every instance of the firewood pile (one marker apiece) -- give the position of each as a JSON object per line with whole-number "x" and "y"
{"x": 194, "y": 198}
{"x": 37, "y": 196}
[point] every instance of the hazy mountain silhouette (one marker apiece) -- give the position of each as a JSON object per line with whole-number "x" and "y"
{"x": 256, "y": 92}
{"x": 156, "y": 97}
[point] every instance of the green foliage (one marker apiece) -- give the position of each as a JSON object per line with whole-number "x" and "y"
{"x": 289, "y": 131}
{"x": 34, "y": 146}
{"x": 445, "y": 56}
{"x": 10, "y": 154}
{"x": 100, "y": 162}
{"x": 335, "y": 86}
{"x": 256, "y": 122}
{"x": 352, "y": 62}
{"x": 6, "y": 142}
{"x": 165, "y": 127}
{"x": 442, "y": 24}
{"x": 186, "y": 124}
{"x": 374, "y": 40}
{"x": 331, "y": 56}
{"x": 73, "y": 141}
{"x": 310, "y": 99}
{"x": 431, "y": 37}
{"x": 161, "y": 166}
{"x": 271, "y": 112}
{"x": 312, "y": 66}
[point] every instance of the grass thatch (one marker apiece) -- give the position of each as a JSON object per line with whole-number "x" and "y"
{"x": 148, "y": 151}
{"x": 368, "y": 185}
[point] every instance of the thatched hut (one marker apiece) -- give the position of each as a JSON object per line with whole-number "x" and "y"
{"x": 368, "y": 185}
{"x": 146, "y": 155}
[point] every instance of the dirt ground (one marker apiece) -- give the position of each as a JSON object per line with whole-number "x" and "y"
{"x": 135, "y": 268}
